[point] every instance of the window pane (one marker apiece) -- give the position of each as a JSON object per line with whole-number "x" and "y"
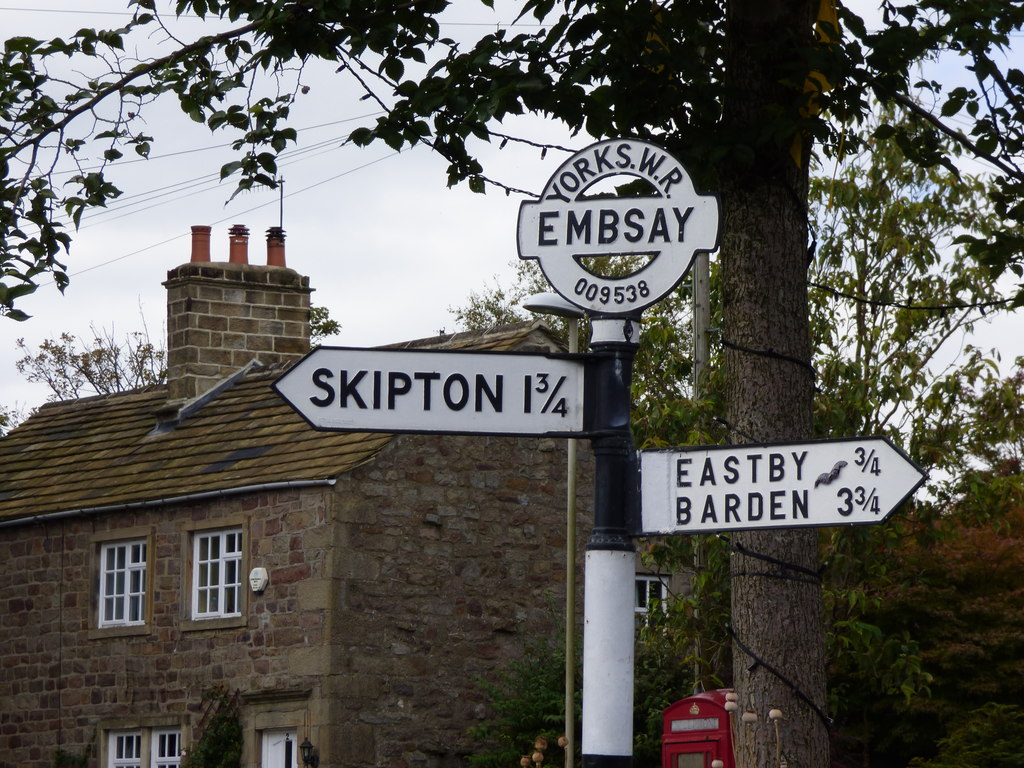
{"x": 648, "y": 588}
{"x": 641, "y": 594}
{"x": 134, "y": 609}
{"x": 693, "y": 760}
{"x": 166, "y": 749}
{"x": 122, "y": 583}
{"x": 125, "y": 750}
{"x": 216, "y": 574}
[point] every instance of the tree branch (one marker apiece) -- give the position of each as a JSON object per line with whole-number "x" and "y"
{"x": 140, "y": 71}
{"x": 957, "y": 136}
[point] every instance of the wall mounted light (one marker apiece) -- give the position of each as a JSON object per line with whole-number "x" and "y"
{"x": 309, "y": 757}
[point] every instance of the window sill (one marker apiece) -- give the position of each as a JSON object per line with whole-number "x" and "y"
{"x": 103, "y": 633}
{"x": 226, "y": 622}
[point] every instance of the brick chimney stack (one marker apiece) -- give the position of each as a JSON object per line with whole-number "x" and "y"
{"x": 221, "y": 316}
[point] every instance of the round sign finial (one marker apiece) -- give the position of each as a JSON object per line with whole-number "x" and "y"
{"x": 669, "y": 226}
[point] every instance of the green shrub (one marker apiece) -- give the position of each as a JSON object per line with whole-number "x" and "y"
{"x": 220, "y": 744}
{"x": 990, "y": 737}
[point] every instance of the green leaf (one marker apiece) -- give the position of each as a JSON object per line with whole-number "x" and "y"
{"x": 230, "y": 168}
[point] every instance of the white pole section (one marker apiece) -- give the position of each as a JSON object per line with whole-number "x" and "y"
{"x": 608, "y": 628}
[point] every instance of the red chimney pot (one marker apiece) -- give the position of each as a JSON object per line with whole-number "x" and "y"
{"x": 200, "y": 243}
{"x": 275, "y": 247}
{"x": 238, "y": 244}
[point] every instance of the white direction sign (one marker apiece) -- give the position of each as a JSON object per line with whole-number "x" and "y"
{"x": 789, "y": 485}
{"x": 401, "y": 390}
{"x": 667, "y": 226}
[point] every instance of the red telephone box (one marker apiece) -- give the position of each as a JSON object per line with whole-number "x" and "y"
{"x": 696, "y": 733}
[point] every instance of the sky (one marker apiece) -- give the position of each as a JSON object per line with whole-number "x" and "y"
{"x": 388, "y": 248}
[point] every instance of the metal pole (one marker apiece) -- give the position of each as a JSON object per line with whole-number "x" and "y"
{"x": 610, "y": 559}
{"x": 701, "y": 318}
{"x": 553, "y": 304}
{"x": 701, "y": 327}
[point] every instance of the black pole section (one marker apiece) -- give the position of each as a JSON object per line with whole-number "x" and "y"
{"x": 614, "y": 452}
{"x": 611, "y": 559}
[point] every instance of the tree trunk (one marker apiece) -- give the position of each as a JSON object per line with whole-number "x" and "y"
{"x": 778, "y": 648}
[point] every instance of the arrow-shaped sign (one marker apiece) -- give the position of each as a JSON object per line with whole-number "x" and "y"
{"x": 419, "y": 390}
{"x": 788, "y": 485}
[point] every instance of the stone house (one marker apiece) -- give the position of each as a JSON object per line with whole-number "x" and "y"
{"x": 400, "y": 570}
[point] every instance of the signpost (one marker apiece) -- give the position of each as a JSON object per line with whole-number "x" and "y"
{"x": 575, "y": 223}
{"x": 688, "y": 490}
{"x": 667, "y": 226}
{"x": 743, "y": 487}
{"x": 402, "y": 390}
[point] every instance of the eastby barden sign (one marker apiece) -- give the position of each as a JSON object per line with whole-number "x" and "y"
{"x": 399, "y": 390}
{"x": 566, "y": 228}
{"x": 742, "y": 487}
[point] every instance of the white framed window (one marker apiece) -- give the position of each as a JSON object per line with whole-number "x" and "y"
{"x": 649, "y": 588}
{"x": 156, "y": 748}
{"x": 125, "y": 749}
{"x": 122, "y": 583}
{"x": 166, "y": 749}
{"x": 217, "y": 574}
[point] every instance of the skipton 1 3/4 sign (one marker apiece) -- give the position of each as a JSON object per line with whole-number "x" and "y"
{"x": 667, "y": 225}
{"x": 402, "y": 390}
{"x": 742, "y": 487}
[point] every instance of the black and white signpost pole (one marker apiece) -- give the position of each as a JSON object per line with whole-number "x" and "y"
{"x": 610, "y": 566}
{"x": 565, "y": 230}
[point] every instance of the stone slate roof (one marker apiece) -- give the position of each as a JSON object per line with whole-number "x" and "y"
{"x": 112, "y": 451}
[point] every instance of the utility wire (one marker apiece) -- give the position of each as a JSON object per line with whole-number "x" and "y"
{"x": 233, "y": 215}
{"x": 120, "y": 207}
{"x": 127, "y": 205}
{"x": 196, "y": 150}
{"x": 69, "y": 11}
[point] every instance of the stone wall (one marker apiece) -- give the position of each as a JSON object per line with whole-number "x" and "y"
{"x": 452, "y": 551}
{"x": 65, "y": 678}
{"x": 390, "y": 596}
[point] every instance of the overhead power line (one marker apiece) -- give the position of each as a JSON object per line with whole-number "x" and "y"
{"x": 235, "y": 215}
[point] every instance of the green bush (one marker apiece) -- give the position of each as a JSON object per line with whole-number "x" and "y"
{"x": 220, "y": 744}
{"x": 528, "y": 700}
{"x": 990, "y": 737}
